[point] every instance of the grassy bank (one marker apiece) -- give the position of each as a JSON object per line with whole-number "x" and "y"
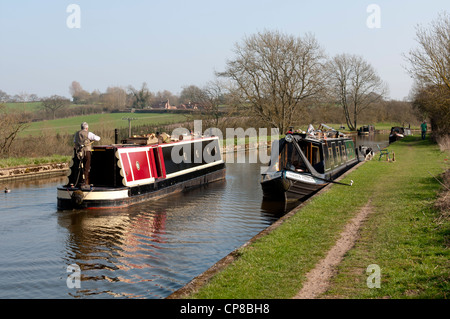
{"x": 402, "y": 235}
{"x": 22, "y": 161}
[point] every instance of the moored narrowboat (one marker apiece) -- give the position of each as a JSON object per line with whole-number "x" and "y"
{"x": 366, "y": 130}
{"x": 397, "y": 133}
{"x": 303, "y": 163}
{"x": 125, "y": 174}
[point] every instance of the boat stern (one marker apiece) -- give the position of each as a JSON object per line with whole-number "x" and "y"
{"x": 90, "y": 198}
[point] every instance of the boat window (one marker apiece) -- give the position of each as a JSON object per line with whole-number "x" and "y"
{"x": 344, "y": 154}
{"x": 338, "y": 154}
{"x": 290, "y": 159}
{"x": 316, "y": 160}
{"x": 315, "y": 156}
{"x": 330, "y": 157}
{"x": 335, "y": 155}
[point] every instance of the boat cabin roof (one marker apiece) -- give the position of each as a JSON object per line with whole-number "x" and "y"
{"x": 112, "y": 146}
{"x": 317, "y": 139}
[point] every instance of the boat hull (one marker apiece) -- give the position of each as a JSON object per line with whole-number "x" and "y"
{"x": 290, "y": 186}
{"x": 120, "y": 197}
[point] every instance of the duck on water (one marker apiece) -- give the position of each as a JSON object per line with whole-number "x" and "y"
{"x": 304, "y": 162}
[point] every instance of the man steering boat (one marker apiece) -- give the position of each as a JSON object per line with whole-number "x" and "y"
{"x": 83, "y": 140}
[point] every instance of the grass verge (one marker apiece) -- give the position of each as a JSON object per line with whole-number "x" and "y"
{"x": 21, "y": 161}
{"x": 401, "y": 236}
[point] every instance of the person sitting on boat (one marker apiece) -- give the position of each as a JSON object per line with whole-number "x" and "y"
{"x": 83, "y": 140}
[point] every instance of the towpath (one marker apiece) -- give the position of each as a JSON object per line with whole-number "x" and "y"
{"x": 318, "y": 279}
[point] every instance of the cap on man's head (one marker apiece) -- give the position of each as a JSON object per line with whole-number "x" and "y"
{"x": 84, "y": 125}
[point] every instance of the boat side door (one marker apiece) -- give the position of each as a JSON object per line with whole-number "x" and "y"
{"x": 157, "y": 162}
{"x": 329, "y": 158}
{"x": 339, "y": 159}
{"x": 333, "y": 151}
{"x": 343, "y": 153}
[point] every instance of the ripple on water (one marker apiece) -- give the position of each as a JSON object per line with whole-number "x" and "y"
{"x": 145, "y": 251}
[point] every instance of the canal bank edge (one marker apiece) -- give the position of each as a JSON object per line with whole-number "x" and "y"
{"x": 195, "y": 284}
{"x": 33, "y": 171}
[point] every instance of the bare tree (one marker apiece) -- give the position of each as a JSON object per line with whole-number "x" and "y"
{"x": 79, "y": 95}
{"x": 10, "y": 126}
{"x": 192, "y": 94}
{"x": 355, "y": 85}
{"x": 166, "y": 96}
{"x": 4, "y": 97}
{"x": 213, "y": 98}
{"x": 34, "y": 98}
{"x": 430, "y": 62}
{"x": 276, "y": 74}
{"x": 75, "y": 88}
{"x": 433, "y": 102}
{"x": 142, "y": 97}
{"x": 430, "y": 68}
{"x": 114, "y": 98}
{"x": 54, "y": 103}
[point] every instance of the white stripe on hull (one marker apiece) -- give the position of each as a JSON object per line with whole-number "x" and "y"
{"x": 303, "y": 178}
{"x": 95, "y": 195}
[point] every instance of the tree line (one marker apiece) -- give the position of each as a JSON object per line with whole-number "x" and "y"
{"x": 281, "y": 80}
{"x": 115, "y": 98}
{"x": 429, "y": 66}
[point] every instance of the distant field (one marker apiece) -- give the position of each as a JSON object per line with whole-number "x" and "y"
{"x": 101, "y": 121}
{"x": 114, "y": 120}
{"x": 21, "y": 107}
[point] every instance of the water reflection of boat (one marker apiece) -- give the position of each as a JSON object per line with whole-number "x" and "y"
{"x": 277, "y": 209}
{"x": 306, "y": 162}
{"x": 124, "y": 174}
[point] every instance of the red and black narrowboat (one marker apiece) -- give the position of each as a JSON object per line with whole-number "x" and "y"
{"x": 125, "y": 174}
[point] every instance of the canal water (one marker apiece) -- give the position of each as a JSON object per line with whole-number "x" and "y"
{"x": 148, "y": 250}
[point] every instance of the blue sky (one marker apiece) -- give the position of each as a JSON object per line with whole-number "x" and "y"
{"x": 173, "y": 43}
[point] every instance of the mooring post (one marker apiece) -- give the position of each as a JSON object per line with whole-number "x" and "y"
{"x": 129, "y": 119}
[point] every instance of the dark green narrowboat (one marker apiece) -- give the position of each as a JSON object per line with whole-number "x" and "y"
{"x": 304, "y": 162}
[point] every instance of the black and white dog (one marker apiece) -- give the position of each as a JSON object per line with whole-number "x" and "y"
{"x": 367, "y": 152}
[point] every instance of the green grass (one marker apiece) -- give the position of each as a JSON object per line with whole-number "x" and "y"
{"x": 25, "y": 106}
{"x": 401, "y": 236}
{"x": 96, "y": 121}
{"x": 21, "y": 161}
